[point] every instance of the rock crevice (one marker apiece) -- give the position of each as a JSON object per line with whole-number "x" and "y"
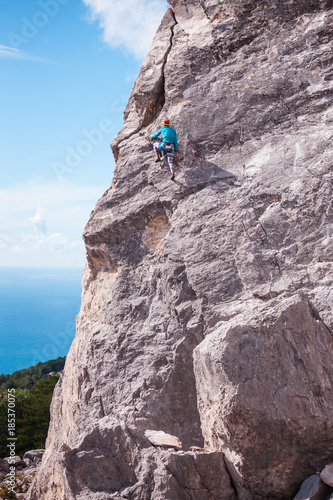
{"x": 145, "y": 104}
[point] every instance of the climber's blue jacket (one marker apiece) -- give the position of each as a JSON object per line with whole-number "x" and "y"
{"x": 169, "y": 135}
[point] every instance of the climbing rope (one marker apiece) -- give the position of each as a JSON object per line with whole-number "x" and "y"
{"x": 223, "y": 203}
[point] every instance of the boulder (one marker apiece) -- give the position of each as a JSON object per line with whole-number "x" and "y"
{"x": 313, "y": 488}
{"x": 265, "y": 399}
{"x": 202, "y": 476}
{"x": 160, "y": 438}
{"x": 4, "y": 468}
{"x": 327, "y": 474}
{"x": 34, "y": 455}
{"x": 17, "y": 461}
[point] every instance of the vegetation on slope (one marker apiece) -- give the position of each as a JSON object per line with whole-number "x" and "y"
{"x": 31, "y": 392}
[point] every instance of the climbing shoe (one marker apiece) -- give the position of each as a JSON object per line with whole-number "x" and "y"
{"x": 173, "y": 177}
{"x": 158, "y": 160}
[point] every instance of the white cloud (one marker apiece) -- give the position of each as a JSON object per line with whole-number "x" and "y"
{"x": 130, "y": 24}
{"x": 5, "y": 241}
{"x": 42, "y": 224}
{"x": 39, "y": 220}
{"x": 54, "y": 243}
{"x": 12, "y": 53}
{"x": 53, "y": 197}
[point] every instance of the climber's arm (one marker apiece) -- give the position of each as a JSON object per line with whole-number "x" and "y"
{"x": 157, "y": 134}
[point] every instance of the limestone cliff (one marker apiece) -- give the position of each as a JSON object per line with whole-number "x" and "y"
{"x": 178, "y": 330}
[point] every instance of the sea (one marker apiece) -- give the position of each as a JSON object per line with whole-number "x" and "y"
{"x": 38, "y": 307}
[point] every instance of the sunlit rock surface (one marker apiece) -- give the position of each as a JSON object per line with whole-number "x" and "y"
{"x": 170, "y": 271}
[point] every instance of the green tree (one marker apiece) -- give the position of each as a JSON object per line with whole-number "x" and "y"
{"x": 33, "y": 415}
{"x": 27, "y": 377}
{"x": 3, "y": 427}
{"x": 33, "y": 394}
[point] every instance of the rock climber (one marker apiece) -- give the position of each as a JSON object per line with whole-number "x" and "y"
{"x": 168, "y": 145}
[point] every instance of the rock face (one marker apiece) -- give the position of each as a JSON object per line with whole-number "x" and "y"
{"x": 265, "y": 398}
{"x": 170, "y": 271}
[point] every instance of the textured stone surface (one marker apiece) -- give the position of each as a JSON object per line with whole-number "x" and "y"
{"x": 34, "y": 455}
{"x": 313, "y": 488}
{"x": 200, "y": 476}
{"x": 25, "y": 470}
{"x": 327, "y": 474}
{"x": 17, "y": 461}
{"x": 168, "y": 266}
{"x": 4, "y": 468}
{"x": 160, "y": 438}
{"x": 265, "y": 398}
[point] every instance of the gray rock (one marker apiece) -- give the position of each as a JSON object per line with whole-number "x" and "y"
{"x": 30, "y": 471}
{"x": 313, "y": 488}
{"x": 34, "y": 455}
{"x": 4, "y": 468}
{"x": 263, "y": 389}
{"x": 3, "y": 464}
{"x": 64, "y": 447}
{"x": 160, "y": 438}
{"x": 169, "y": 265}
{"x": 327, "y": 474}
{"x": 17, "y": 461}
{"x": 184, "y": 476}
{"x": 200, "y": 476}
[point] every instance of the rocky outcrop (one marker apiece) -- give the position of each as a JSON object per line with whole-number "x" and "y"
{"x": 265, "y": 398}
{"x": 170, "y": 271}
{"x": 16, "y": 474}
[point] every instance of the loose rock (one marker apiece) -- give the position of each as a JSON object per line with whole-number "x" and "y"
{"x": 327, "y": 475}
{"x": 313, "y": 488}
{"x": 160, "y": 438}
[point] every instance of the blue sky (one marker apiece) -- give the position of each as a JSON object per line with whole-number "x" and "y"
{"x": 67, "y": 68}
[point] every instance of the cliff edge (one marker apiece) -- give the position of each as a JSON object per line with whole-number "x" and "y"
{"x": 207, "y": 313}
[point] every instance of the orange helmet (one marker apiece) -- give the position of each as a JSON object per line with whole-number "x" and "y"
{"x": 166, "y": 122}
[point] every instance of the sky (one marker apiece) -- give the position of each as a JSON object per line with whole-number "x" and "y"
{"x": 67, "y": 68}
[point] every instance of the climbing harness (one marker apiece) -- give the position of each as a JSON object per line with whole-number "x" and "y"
{"x": 223, "y": 203}
{"x": 169, "y": 147}
{"x": 167, "y": 151}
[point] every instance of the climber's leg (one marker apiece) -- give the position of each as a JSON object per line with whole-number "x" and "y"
{"x": 170, "y": 156}
{"x": 157, "y": 150}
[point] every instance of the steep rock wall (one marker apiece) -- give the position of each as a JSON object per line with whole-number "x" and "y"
{"x": 169, "y": 271}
